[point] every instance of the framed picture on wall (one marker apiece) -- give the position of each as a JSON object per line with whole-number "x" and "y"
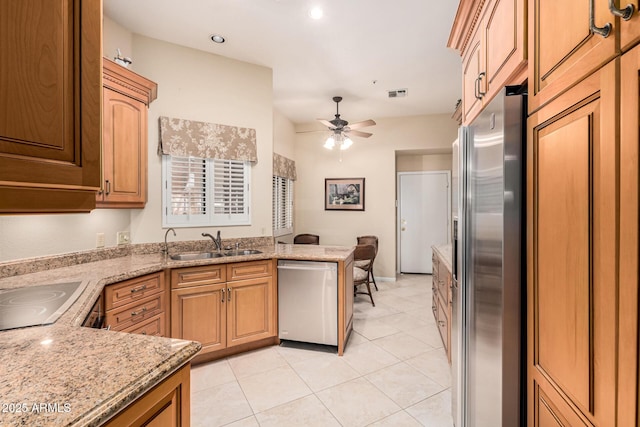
{"x": 344, "y": 194}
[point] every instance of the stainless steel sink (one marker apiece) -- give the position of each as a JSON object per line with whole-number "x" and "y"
{"x": 242, "y": 252}
{"x": 196, "y": 255}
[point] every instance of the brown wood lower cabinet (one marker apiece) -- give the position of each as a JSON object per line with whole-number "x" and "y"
{"x": 137, "y": 305}
{"x": 221, "y": 314}
{"x": 441, "y": 295}
{"x": 165, "y": 405}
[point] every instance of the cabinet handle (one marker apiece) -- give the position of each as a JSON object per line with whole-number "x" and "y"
{"x": 625, "y": 13}
{"x": 477, "y": 92}
{"x": 138, "y": 289}
{"x": 229, "y": 294}
{"x": 603, "y": 31}
{"x": 222, "y": 293}
{"x": 137, "y": 313}
{"x": 107, "y": 187}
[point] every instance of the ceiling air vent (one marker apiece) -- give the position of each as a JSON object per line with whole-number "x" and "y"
{"x": 398, "y": 93}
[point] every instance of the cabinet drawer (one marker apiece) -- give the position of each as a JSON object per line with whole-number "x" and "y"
{"x": 443, "y": 325}
{"x": 249, "y": 270}
{"x": 443, "y": 285}
{"x": 194, "y": 276}
{"x": 120, "y": 294}
{"x": 124, "y": 317}
{"x": 152, "y": 326}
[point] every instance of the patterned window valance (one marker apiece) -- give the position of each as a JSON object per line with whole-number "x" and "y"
{"x": 284, "y": 167}
{"x": 184, "y": 138}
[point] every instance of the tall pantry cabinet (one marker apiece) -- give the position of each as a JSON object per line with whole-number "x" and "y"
{"x": 582, "y": 215}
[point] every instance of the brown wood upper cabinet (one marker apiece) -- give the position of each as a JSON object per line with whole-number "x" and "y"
{"x": 491, "y": 37}
{"x": 50, "y": 123}
{"x": 126, "y": 97}
{"x": 569, "y": 40}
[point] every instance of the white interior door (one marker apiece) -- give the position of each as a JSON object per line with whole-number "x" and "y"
{"x": 423, "y": 218}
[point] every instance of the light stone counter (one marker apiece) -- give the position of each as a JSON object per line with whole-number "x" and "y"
{"x": 86, "y": 375}
{"x": 444, "y": 252}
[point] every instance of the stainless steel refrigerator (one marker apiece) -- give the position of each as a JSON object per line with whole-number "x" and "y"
{"x": 488, "y": 262}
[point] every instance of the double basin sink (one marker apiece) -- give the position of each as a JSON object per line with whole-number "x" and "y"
{"x": 206, "y": 255}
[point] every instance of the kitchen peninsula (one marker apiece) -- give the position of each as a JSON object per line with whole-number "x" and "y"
{"x": 84, "y": 376}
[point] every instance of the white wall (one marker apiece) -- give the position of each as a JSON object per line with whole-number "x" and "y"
{"x": 375, "y": 160}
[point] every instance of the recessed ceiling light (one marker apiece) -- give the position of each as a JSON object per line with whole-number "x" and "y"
{"x": 316, "y": 13}
{"x": 217, "y": 38}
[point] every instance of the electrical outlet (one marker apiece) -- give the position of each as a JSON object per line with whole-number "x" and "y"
{"x": 123, "y": 237}
{"x": 100, "y": 240}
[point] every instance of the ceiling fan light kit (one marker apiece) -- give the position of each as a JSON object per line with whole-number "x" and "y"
{"x": 341, "y": 129}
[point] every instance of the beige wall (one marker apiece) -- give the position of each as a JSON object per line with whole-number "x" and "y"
{"x": 375, "y": 160}
{"x": 424, "y": 162}
{"x": 191, "y": 84}
{"x": 200, "y": 86}
{"x": 284, "y": 137}
{"x": 114, "y": 37}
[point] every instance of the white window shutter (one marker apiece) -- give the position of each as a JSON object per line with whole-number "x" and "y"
{"x": 205, "y": 192}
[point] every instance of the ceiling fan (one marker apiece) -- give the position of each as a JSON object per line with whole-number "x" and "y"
{"x": 342, "y": 129}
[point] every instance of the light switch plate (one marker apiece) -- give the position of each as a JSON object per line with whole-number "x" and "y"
{"x": 123, "y": 238}
{"x": 100, "y": 240}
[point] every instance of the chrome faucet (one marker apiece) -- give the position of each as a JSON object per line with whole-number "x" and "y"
{"x": 216, "y": 240}
{"x": 165, "y": 250}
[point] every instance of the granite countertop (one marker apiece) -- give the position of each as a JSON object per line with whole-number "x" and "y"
{"x": 85, "y": 375}
{"x": 444, "y": 252}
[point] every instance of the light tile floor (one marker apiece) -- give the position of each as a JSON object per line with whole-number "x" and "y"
{"x": 394, "y": 372}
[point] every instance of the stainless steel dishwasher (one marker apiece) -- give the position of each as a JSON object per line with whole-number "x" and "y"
{"x": 308, "y": 301}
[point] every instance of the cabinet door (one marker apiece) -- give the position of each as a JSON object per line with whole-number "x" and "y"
{"x": 50, "y": 105}
{"x": 572, "y": 245}
{"x": 166, "y": 405}
{"x": 124, "y": 151}
{"x": 472, "y": 82}
{"x": 505, "y": 30}
{"x": 628, "y": 394}
{"x": 249, "y": 310}
{"x": 629, "y": 30}
{"x": 562, "y": 48}
{"x": 199, "y": 314}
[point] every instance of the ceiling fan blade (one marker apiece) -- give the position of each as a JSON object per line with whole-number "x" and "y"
{"x": 327, "y": 123}
{"x": 362, "y": 124}
{"x": 358, "y": 133}
{"x": 311, "y": 131}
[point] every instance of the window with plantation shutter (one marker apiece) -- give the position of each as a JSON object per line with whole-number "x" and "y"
{"x": 282, "y": 206}
{"x": 205, "y": 192}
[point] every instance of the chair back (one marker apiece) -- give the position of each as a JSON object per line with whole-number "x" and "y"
{"x": 364, "y": 252}
{"x": 306, "y": 239}
{"x": 368, "y": 240}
